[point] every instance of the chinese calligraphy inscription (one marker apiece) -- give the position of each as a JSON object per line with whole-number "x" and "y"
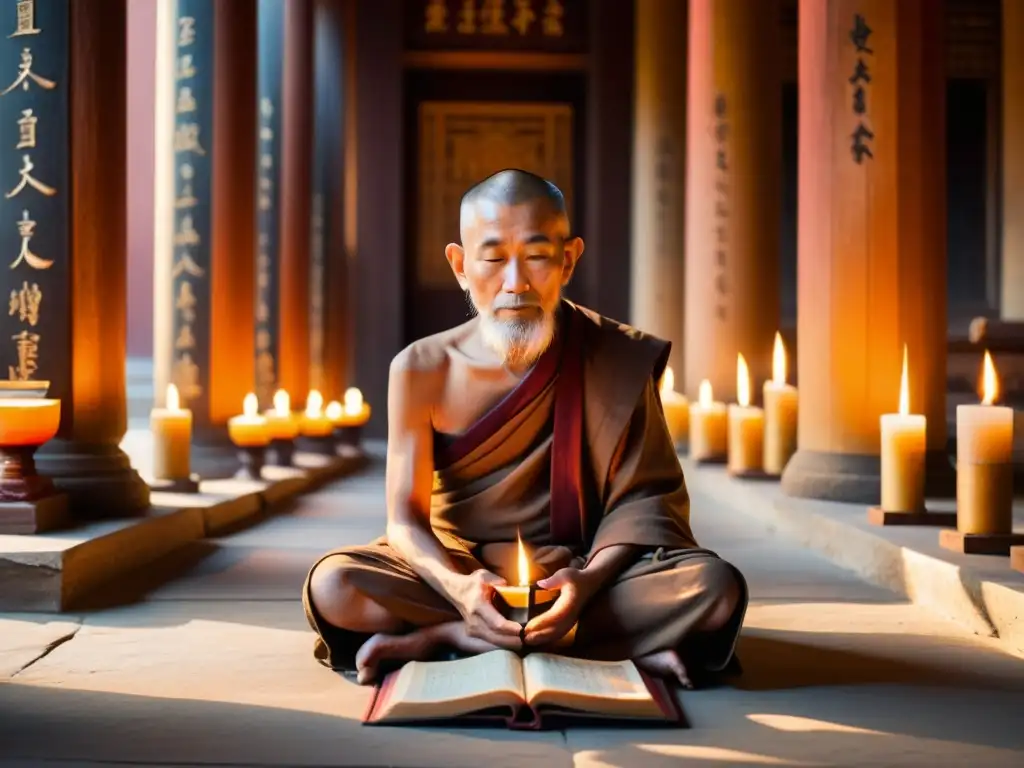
{"x": 860, "y": 80}
{"x": 722, "y": 202}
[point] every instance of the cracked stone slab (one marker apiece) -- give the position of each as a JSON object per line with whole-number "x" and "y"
{"x": 25, "y": 638}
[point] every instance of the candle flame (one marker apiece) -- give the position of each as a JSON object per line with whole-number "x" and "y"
{"x": 705, "y": 397}
{"x": 742, "y": 382}
{"x": 314, "y": 403}
{"x": 173, "y": 399}
{"x": 779, "y": 361}
{"x": 990, "y": 384}
{"x": 353, "y": 401}
{"x": 668, "y": 380}
{"x": 282, "y": 403}
{"x": 251, "y": 405}
{"x": 904, "y": 387}
{"x": 524, "y": 564}
{"x": 334, "y": 410}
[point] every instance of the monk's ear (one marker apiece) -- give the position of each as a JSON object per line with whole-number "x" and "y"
{"x": 573, "y": 250}
{"x": 456, "y": 256}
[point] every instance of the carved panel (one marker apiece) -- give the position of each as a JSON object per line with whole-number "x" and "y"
{"x": 462, "y": 143}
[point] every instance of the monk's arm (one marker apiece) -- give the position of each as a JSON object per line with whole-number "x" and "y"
{"x": 410, "y": 475}
{"x": 646, "y": 503}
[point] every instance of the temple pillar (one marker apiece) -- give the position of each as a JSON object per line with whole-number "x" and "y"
{"x": 209, "y": 336}
{"x": 659, "y": 180}
{"x": 1012, "y": 291}
{"x": 871, "y": 272}
{"x": 733, "y": 192}
{"x": 64, "y": 238}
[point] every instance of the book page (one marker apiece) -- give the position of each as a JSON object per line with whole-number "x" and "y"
{"x": 566, "y": 681}
{"x": 471, "y": 678}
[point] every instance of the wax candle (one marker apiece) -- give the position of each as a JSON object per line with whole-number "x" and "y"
{"x": 903, "y": 452}
{"x": 249, "y": 430}
{"x": 676, "y": 408}
{"x": 171, "y": 427}
{"x": 355, "y": 412}
{"x": 525, "y": 599}
{"x": 780, "y": 414}
{"x": 314, "y": 421}
{"x": 746, "y": 426}
{"x": 984, "y": 467}
{"x": 281, "y": 422}
{"x": 708, "y": 429}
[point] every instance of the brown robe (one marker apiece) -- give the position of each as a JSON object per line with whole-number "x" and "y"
{"x": 498, "y": 479}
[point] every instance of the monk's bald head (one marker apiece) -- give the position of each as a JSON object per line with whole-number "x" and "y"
{"x": 513, "y": 187}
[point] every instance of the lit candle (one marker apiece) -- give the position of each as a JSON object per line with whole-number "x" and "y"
{"x": 984, "y": 468}
{"x": 746, "y": 426}
{"x": 250, "y": 429}
{"x": 524, "y": 599}
{"x": 676, "y": 408}
{"x": 314, "y": 421}
{"x": 780, "y": 414}
{"x": 708, "y": 426}
{"x": 172, "y": 437}
{"x": 280, "y": 420}
{"x": 355, "y": 412}
{"x": 903, "y": 451}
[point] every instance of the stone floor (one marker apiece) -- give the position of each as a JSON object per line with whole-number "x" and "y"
{"x": 214, "y": 668}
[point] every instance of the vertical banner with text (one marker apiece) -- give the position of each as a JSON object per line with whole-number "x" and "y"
{"x": 35, "y": 206}
{"x": 190, "y": 270}
{"x": 271, "y": 72}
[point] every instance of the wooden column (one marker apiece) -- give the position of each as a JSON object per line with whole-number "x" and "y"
{"x": 1012, "y": 303}
{"x": 68, "y": 326}
{"x": 659, "y": 178}
{"x": 733, "y": 191}
{"x": 872, "y": 238}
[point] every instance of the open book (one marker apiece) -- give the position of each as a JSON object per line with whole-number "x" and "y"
{"x": 537, "y": 691}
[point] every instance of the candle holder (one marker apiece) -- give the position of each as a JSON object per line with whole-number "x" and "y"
{"x": 281, "y": 452}
{"x": 349, "y": 439}
{"x": 322, "y": 445}
{"x": 251, "y": 457}
{"x": 752, "y": 474}
{"x": 886, "y": 517}
{"x": 188, "y": 484}
{"x": 522, "y": 603}
{"x": 18, "y": 478}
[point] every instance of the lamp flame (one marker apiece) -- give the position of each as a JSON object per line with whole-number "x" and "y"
{"x": 742, "y": 382}
{"x": 705, "y": 397}
{"x": 251, "y": 405}
{"x": 282, "y": 403}
{"x": 524, "y": 564}
{"x": 779, "y": 361}
{"x": 990, "y": 383}
{"x": 334, "y": 410}
{"x": 173, "y": 399}
{"x": 353, "y": 401}
{"x": 668, "y": 380}
{"x": 904, "y": 387}
{"x": 314, "y": 403}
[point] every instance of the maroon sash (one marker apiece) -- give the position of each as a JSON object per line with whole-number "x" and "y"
{"x": 564, "y": 360}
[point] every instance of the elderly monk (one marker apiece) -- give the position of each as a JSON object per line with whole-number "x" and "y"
{"x": 536, "y": 418}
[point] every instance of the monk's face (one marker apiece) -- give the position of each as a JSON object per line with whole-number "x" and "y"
{"x": 513, "y": 263}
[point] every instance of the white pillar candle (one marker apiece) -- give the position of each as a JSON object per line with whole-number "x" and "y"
{"x": 708, "y": 427}
{"x": 171, "y": 427}
{"x": 676, "y": 408}
{"x": 780, "y": 414}
{"x": 903, "y": 454}
{"x": 746, "y": 426}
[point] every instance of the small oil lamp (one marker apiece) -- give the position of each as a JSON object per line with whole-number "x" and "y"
{"x": 524, "y": 601}
{"x": 250, "y": 435}
{"x": 284, "y": 428}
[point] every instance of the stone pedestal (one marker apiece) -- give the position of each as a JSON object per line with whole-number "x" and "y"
{"x": 733, "y": 192}
{"x": 659, "y": 173}
{"x": 872, "y": 239}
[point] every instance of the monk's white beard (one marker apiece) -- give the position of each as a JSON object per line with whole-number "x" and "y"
{"x": 517, "y": 341}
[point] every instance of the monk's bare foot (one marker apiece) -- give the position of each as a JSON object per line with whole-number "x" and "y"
{"x": 415, "y": 645}
{"x": 665, "y": 664}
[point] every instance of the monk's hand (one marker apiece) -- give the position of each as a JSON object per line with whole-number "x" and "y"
{"x": 574, "y": 590}
{"x": 475, "y": 601}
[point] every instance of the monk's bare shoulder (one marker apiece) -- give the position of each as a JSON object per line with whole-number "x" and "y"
{"x": 423, "y": 366}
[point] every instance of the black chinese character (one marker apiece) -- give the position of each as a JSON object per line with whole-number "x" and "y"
{"x": 860, "y": 73}
{"x": 860, "y": 33}
{"x": 721, "y": 131}
{"x": 859, "y": 104}
{"x": 720, "y": 162}
{"x": 721, "y": 286}
{"x": 720, "y": 257}
{"x": 720, "y": 105}
{"x": 721, "y": 211}
{"x": 721, "y": 236}
{"x": 859, "y": 149}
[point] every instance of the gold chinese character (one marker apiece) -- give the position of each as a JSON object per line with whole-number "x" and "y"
{"x": 185, "y": 340}
{"x": 27, "y": 130}
{"x": 186, "y": 31}
{"x": 263, "y": 261}
{"x": 186, "y": 265}
{"x": 262, "y": 280}
{"x": 266, "y": 107}
{"x": 553, "y": 14}
{"x": 523, "y": 16}
{"x": 262, "y": 340}
{"x": 493, "y": 13}
{"x": 265, "y": 368}
{"x": 467, "y": 18}
{"x": 186, "y": 139}
{"x": 25, "y": 303}
{"x": 28, "y": 356}
{"x": 26, "y": 228}
{"x": 266, "y": 133}
{"x": 25, "y": 74}
{"x": 26, "y": 19}
{"x": 27, "y": 166}
{"x": 187, "y": 199}
{"x": 264, "y": 239}
{"x": 186, "y": 68}
{"x": 264, "y": 202}
{"x": 262, "y": 312}
{"x": 186, "y": 302}
{"x": 185, "y": 375}
{"x": 186, "y": 234}
{"x": 186, "y": 101}
{"x": 436, "y": 16}
{"x": 266, "y": 161}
